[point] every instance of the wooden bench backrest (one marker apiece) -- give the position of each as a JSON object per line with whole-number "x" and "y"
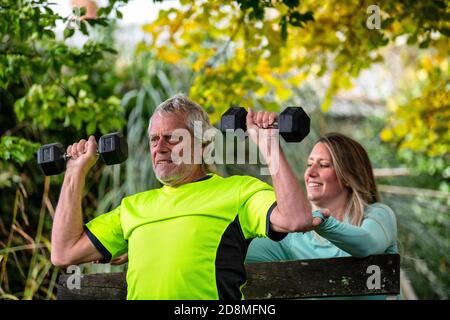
{"x": 374, "y": 275}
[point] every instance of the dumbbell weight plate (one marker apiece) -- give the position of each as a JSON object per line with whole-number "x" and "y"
{"x": 113, "y": 148}
{"x": 294, "y": 124}
{"x": 233, "y": 119}
{"x": 50, "y": 158}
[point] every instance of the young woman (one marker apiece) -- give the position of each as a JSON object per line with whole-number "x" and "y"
{"x": 339, "y": 181}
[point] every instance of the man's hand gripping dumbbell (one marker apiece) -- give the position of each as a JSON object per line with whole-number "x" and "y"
{"x": 112, "y": 148}
{"x": 293, "y": 123}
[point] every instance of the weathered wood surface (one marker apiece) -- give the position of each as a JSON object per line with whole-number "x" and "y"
{"x": 323, "y": 278}
{"x": 97, "y": 286}
{"x": 281, "y": 280}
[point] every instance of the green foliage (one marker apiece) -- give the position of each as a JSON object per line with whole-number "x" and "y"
{"x": 427, "y": 106}
{"x": 54, "y": 85}
{"x": 55, "y": 107}
{"x": 49, "y": 91}
{"x": 424, "y": 242}
{"x": 420, "y": 121}
{"x": 256, "y": 10}
{"x": 16, "y": 149}
{"x": 49, "y": 84}
{"x": 14, "y": 152}
{"x": 423, "y": 229}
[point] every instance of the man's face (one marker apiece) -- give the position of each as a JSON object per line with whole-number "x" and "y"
{"x": 163, "y": 143}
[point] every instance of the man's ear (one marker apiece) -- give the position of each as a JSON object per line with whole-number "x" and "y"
{"x": 207, "y": 150}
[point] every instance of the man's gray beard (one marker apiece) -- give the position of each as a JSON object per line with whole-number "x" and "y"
{"x": 168, "y": 180}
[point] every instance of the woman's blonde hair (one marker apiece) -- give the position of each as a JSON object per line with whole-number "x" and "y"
{"x": 354, "y": 171}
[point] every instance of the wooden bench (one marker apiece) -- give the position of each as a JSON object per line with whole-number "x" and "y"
{"x": 337, "y": 277}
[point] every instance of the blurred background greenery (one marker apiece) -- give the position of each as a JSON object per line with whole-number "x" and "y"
{"x": 63, "y": 78}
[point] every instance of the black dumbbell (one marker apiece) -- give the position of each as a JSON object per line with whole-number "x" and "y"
{"x": 112, "y": 147}
{"x": 293, "y": 123}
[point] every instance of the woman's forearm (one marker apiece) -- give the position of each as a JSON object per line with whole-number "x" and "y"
{"x": 370, "y": 238}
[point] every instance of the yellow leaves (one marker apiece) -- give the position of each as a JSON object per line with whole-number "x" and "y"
{"x": 420, "y": 118}
{"x": 427, "y": 63}
{"x": 444, "y": 64}
{"x": 149, "y": 28}
{"x": 326, "y": 103}
{"x": 391, "y": 105}
{"x": 141, "y": 47}
{"x": 298, "y": 79}
{"x": 169, "y": 55}
{"x": 232, "y": 62}
{"x": 263, "y": 69}
{"x": 237, "y": 61}
{"x": 282, "y": 92}
{"x": 387, "y": 135}
{"x": 332, "y": 89}
{"x": 395, "y": 27}
{"x": 155, "y": 30}
{"x": 216, "y": 116}
{"x": 345, "y": 82}
{"x": 200, "y": 62}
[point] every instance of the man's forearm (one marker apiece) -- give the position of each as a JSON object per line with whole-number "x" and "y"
{"x": 291, "y": 201}
{"x": 293, "y": 211}
{"x": 68, "y": 221}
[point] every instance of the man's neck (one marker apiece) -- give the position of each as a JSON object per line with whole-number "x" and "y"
{"x": 195, "y": 175}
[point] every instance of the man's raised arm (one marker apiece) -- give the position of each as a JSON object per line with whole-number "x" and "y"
{"x": 70, "y": 244}
{"x": 293, "y": 210}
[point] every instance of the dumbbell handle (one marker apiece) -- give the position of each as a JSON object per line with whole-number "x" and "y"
{"x": 274, "y": 125}
{"x": 67, "y": 157}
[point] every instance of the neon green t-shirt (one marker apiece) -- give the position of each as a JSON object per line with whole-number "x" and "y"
{"x": 187, "y": 242}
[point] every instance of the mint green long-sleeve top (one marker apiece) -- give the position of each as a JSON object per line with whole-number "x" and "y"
{"x": 333, "y": 238}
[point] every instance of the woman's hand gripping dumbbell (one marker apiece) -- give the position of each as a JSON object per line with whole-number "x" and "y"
{"x": 112, "y": 148}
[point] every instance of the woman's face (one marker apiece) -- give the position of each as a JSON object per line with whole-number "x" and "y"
{"x": 322, "y": 184}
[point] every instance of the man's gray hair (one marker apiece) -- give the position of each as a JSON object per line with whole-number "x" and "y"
{"x": 193, "y": 112}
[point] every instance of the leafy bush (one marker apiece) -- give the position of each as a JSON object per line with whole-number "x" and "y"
{"x": 49, "y": 91}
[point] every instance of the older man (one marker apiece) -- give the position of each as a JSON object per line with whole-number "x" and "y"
{"x": 188, "y": 239}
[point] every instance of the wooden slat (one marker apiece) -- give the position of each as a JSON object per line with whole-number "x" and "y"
{"x": 322, "y": 278}
{"x": 281, "y": 280}
{"x": 97, "y": 286}
{"x": 390, "y": 172}
{"x": 408, "y": 191}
